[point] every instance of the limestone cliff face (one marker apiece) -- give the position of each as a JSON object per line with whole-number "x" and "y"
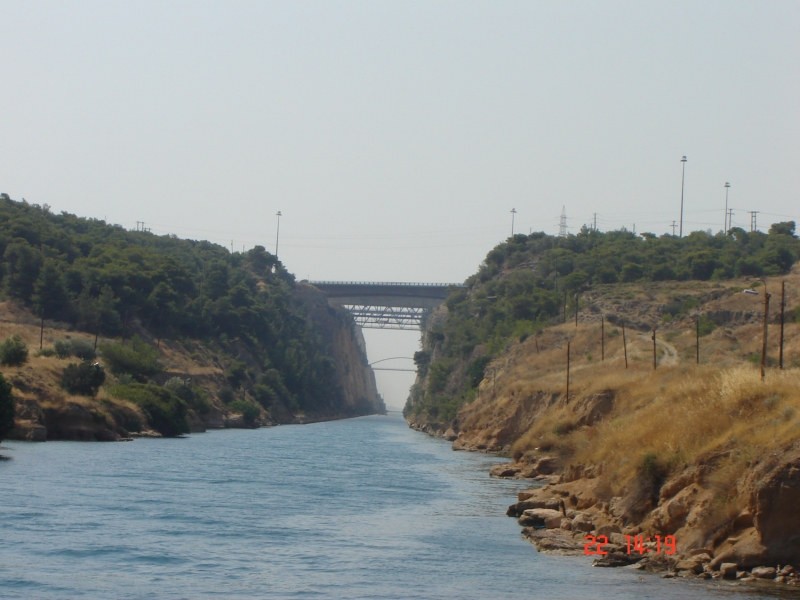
{"x": 354, "y": 377}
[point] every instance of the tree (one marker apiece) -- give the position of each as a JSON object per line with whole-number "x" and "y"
{"x": 50, "y": 297}
{"x": 7, "y": 408}
{"x": 22, "y": 264}
{"x": 83, "y": 379}
{"x": 783, "y": 228}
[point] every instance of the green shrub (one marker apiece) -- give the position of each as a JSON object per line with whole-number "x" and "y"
{"x": 79, "y": 348}
{"x": 236, "y": 374}
{"x": 194, "y": 396}
{"x": 62, "y": 348}
{"x": 13, "y": 352}
{"x": 7, "y": 408}
{"x": 651, "y": 468}
{"x": 83, "y": 379}
{"x": 705, "y": 325}
{"x": 45, "y": 352}
{"x": 249, "y": 411}
{"x": 83, "y": 349}
{"x": 166, "y": 412}
{"x": 422, "y": 359}
{"x": 476, "y": 370}
{"x": 437, "y": 377}
{"x": 226, "y": 394}
{"x": 139, "y": 360}
{"x": 264, "y": 394}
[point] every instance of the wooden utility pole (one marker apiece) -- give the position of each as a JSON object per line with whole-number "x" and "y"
{"x": 783, "y": 305}
{"x": 568, "y": 343}
{"x": 764, "y": 337}
{"x": 602, "y": 337}
{"x": 697, "y": 339}
{"x": 624, "y": 344}
{"x": 654, "y": 350}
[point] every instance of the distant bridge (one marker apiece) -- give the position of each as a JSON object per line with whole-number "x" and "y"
{"x": 390, "y": 305}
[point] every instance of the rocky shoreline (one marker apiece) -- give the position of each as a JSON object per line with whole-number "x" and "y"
{"x": 563, "y": 515}
{"x": 78, "y": 422}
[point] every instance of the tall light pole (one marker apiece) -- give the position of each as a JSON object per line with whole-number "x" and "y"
{"x": 513, "y": 212}
{"x": 278, "y": 235}
{"x": 725, "y": 227}
{"x": 683, "y": 178}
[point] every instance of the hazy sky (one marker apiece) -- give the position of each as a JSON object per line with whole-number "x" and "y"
{"x": 395, "y": 137}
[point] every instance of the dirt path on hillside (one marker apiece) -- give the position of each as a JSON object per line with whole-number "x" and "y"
{"x": 670, "y": 356}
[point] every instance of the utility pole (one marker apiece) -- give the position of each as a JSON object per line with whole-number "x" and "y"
{"x": 595, "y": 221}
{"x": 568, "y": 343}
{"x": 673, "y": 228}
{"x": 513, "y": 213}
{"x": 730, "y": 219}
{"x": 602, "y": 337}
{"x": 562, "y": 224}
{"x": 764, "y": 338}
{"x": 783, "y": 305}
{"x": 753, "y": 225}
{"x": 624, "y": 345}
{"x": 278, "y": 235}
{"x": 683, "y": 178}
{"x": 725, "y": 226}
{"x": 697, "y": 338}
{"x": 654, "y": 349}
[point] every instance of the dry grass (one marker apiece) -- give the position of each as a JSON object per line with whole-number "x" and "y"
{"x": 718, "y": 412}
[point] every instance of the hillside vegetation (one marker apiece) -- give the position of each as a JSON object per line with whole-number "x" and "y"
{"x": 698, "y": 446}
{"x": 532, "y": 282}
{"x": 241, "y": 335}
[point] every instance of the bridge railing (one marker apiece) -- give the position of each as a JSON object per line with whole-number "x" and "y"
{"x": 405, "y": 283}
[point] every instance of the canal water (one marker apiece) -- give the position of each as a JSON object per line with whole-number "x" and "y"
{"x": 362, "y": 508}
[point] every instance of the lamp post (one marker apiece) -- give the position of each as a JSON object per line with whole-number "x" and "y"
{"x": 513, "y": 212}
{"x": 683, "y": 178}
{"x": 725, "y": 226}
{"x": 767, "y": 296}
{"x": 278, "y": 235}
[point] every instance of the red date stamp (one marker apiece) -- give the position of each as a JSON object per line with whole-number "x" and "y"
{"x": 637, "y": 544}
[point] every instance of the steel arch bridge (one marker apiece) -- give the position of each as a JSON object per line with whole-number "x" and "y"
{"x": 391, "y": 305}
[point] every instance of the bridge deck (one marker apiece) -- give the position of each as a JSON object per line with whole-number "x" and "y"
{"x": 392, "y": 305}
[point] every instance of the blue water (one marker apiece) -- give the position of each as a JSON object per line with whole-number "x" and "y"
{"x": 364, "y": 508}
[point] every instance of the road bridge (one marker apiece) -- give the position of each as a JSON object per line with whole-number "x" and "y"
{"x": 386, "y": 305}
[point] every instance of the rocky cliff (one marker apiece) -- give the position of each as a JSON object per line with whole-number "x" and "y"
{"x": 45, "y": 411}
{"x": 354, "y": 376}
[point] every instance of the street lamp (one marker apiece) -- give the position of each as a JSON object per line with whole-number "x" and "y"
{"x": 278, "y": 235}
{"x": 767, "y": 296}
{"x": 513, "y": 212}
{"x": 725, "y": 226}
{"x": 683, "y": 178}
